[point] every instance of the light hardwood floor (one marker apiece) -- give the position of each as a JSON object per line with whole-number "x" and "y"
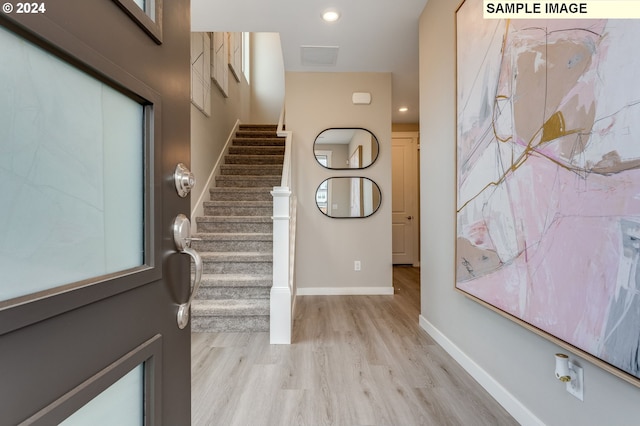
{"x": 355, "y": 360}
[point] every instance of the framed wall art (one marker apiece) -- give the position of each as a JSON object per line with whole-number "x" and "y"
{"x": 548, "y": 179}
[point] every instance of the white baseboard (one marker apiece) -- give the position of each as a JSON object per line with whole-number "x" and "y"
{"x": 495, "y": 389}
{"x": 344, "y": 291}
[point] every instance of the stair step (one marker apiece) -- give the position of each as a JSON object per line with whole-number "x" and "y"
{"x": 261, "y": 127}
{"x": 247, "y": 181}
{"x": 237, "y": 280}
{"x": 264, "y": 141}
{"x": 247, "y": 257}
{"x": 230, "y": 315}
{"x": 256, "y": 150}
{"x": 231, "y": 242}
{"x": 230, "y": 308}
{"x": 259, "y": 263}
{"x": 241, "y": 194}
{"x": 252, "y": 169}
{"x": 233, "y": 293}
{"x": 244, "y": 133}
{"x": 235, "y": 224}
{"x": 238, "y": 208}
{"x": 216, "y": 286}
{"x": 254, "y": 159}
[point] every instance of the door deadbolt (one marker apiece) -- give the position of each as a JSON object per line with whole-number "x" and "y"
{"x": 184, "y": 179}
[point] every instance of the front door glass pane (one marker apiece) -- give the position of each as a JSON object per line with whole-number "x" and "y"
{"x": 120, "y": 404}
{"x": 71, "y": 173}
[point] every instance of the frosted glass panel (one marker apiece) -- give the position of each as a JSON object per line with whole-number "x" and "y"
{"x": 121, "y": 404}
{"x": 71, "y": 173}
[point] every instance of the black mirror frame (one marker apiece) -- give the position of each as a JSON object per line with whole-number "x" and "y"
{"x": 350, "y": 217}
{"x": 313, "y": 147}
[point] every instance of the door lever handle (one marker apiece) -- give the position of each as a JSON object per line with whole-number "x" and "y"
{"x": 182, "y": 239}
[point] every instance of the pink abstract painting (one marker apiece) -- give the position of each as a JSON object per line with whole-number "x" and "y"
{"x": 548, "y": 177}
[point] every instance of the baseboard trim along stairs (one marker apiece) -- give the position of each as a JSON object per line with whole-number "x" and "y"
{"x": 235, "y": 235}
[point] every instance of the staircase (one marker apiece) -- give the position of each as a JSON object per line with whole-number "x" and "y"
{"x": 236, "y": 235}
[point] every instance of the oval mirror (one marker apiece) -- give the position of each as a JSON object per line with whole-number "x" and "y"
{"x": 345, "y": 148}
{"x": 348, "y": 197}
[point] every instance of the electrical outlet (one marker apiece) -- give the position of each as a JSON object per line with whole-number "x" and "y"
{"x": 356, "y": 265}
{"x": 576, "y": 386}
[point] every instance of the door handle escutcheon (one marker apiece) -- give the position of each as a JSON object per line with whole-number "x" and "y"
{"x": 182, "y": 240}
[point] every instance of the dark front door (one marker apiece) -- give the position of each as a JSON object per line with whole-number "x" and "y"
{"x": 94, "y": 118}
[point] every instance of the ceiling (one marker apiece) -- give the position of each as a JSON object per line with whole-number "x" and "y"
{"x": 372, "y": 36}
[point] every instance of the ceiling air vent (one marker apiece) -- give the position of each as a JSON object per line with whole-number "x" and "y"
{"x": 319, "y": 55}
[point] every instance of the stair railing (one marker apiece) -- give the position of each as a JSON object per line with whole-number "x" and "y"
{"x": 283, "y": 291}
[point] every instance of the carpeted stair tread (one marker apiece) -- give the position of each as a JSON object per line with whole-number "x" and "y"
{"x": 234, "y": 286}
{"x": 239, "y": 203}
{"x": 236, "y": 280}
{"x": 236, "y": 210}
{"x": 235, "y": 224}
{"x": 233, "y": 242}
{"x": 241, "y": 194}
{"x": 254, "y": 159}
{"x": 251, "y": 169}
{"x": 231, "y": 307}
{"x": 248, "y": 236}
{"x": 222, "y": 256}
{"x": 247, "y": 181}
{"x": 265, "y": 141}
{"x": 264, "y": 190}
{"x": 259, "y": 263}
{"x": 256, "y": 150}
{"x": 244, "y": 133}
{"x": 258, "y": 126}
{"x": 249, "y": 176}
{"x": 259, "y": 219}
{"x": 247, "y": 203}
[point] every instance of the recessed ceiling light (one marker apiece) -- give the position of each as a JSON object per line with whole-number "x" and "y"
{"x": 403, "y": 109}
{"x": 330, "y": 15}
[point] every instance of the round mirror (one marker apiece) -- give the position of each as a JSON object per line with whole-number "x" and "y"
{"x": 345, "y": 148}
{"x": 348, "y": 197}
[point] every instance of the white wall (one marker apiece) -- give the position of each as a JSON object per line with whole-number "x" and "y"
{"x": 327, "y": 248}
{"x": 517, "y": 365}
{"x": 209, "y": 134}
{"x": 267, "y": 78}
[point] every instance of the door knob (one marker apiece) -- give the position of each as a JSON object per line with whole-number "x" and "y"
{"x": 182, "y": 239}
{"x": 409, "y": 217}
{"x": 184, "y": 180}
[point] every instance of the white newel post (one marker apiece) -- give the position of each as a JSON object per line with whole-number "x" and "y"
{"x": 281, "y": 321}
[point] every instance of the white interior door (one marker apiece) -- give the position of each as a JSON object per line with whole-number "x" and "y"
{"x": 405, "y": 217}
